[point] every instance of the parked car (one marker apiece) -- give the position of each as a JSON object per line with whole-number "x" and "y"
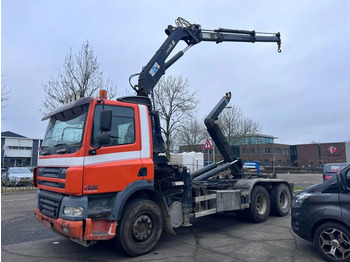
{"x": 329, "y": 170}
{"x": 17, "y": 176}
{"x": 321, "y": 214}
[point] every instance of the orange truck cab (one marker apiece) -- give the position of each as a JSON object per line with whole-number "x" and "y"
{"x": 78, "y": 180}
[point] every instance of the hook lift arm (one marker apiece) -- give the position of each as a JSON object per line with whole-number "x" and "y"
{"x": 192, "y": 34}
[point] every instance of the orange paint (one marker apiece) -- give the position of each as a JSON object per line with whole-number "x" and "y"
{"x": 94, "y": 229}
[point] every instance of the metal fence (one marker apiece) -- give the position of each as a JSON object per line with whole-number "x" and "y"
{"x": 7, "y": 189}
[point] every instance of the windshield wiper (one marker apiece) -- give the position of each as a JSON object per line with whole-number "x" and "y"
{"x": 43, "y": 151}
{"x": 65, "y": 147}
{"x": 61, "y": 150}
{"x": 61, "y": 144}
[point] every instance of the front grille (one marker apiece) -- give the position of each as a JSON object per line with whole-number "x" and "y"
{"x": 49, "y": 203}
{"x": 53, "y": 172}
{"x": 52, "y": 177}
{"x": 51, "y": 184}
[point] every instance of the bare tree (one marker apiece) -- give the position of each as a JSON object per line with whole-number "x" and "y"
{"x": 191, "y": 134}
{"x": 176, "y": 103}
{"x": 238, "y": 129}
{"x": 5, "y": 93}
{"x": 81, "y": 72}
{"x": 235, "y": 126}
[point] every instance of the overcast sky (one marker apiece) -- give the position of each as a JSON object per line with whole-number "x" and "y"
{"x": 300, "y": 95}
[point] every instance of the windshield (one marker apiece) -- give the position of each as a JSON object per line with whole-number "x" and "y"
{"x": 19, "y": 170}
{"x": 333, "y": 168}
{"x": 64, "y": 133}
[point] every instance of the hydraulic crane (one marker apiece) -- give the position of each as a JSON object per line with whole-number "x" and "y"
{"x": 191, "y": 34}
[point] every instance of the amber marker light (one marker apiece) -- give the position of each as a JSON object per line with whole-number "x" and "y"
{"x": 103, "y": 94}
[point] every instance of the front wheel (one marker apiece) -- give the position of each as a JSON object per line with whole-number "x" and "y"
{"x": 140, "y": 227}
{"x": 332, "y": 241}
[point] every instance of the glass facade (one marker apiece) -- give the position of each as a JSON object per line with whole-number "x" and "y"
{"x": 255, "y": 140}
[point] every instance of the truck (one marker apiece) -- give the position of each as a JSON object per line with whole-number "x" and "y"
{"x": 102, "y": 173}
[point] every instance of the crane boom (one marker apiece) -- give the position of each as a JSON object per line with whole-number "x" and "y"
{"x": 191, "y": 34}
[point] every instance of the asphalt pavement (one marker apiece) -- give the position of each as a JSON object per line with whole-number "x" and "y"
{"x": 220, "y": 237}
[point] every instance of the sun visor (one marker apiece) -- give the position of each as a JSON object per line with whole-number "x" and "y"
{"x": 81, "y": 101}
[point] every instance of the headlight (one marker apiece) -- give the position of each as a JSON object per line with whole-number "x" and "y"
{"x": 300, "y": 198}
{"x": 73, "y": 211}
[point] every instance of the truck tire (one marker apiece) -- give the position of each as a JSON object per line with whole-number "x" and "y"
{"x": 281, "y": 200}
{"x": 332, "y": 241}
{"x": 259, "y": 209}
{"x": 140, "y": 227}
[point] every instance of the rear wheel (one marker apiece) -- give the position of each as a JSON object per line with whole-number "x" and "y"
{"x": 260, "y": 205}
{"x": 140, "y": 227}
{"x": 281, "y": 200}
{"x": 332, "y": 240}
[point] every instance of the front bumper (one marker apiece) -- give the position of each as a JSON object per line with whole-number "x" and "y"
{"x": 300, "y": 223}
{"x": 20, "y": 182}
{"x": 79, "y": 231}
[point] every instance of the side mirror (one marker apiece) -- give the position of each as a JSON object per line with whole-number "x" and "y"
{"x": 344, "y": 179}
{"x": 103, "y": 139}
{"x": 105, "y": 126}
{"x": 106, "y": 120}
{"x": 347, "y": 179}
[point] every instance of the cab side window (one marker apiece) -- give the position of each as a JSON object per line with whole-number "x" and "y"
{"x": 123, "y": 125}
{"x": 348, "y": 177}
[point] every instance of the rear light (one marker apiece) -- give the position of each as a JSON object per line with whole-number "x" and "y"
{"x": 326, "y": 177}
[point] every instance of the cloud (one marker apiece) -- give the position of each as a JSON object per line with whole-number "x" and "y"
{"x": 299, "y": 95}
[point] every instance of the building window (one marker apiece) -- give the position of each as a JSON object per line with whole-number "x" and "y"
{"x": 267, "y": 150}
{"x": 20, "y": 148}
{"x": 285, "y": 151}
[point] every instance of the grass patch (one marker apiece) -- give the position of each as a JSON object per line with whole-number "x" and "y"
{"x": 298, "y": 188}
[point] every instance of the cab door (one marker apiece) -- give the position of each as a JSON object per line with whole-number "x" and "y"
{"x": 115, "y": 165}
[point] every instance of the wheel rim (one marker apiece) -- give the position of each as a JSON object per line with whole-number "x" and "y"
{"x": 261, "y": 204}
{"x": 142, "y": 227}
{"x": 334, "y": 243}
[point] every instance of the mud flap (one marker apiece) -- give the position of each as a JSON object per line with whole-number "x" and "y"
{"x": 167, "y": 225}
